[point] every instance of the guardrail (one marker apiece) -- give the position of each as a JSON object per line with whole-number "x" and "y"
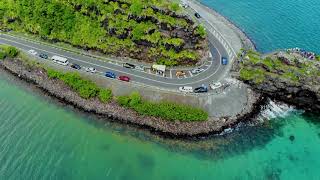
{"x": 231, "y": 52}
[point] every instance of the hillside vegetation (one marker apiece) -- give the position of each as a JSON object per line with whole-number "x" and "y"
{"x": 148, "y": 30}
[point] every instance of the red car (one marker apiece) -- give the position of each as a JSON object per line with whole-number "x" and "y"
{"x": 124, "y": 78}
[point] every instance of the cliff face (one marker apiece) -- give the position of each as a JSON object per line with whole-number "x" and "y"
{"x": 289, "y": 76}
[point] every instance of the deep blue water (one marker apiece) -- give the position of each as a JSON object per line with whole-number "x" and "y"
{"x": 274, "y": 24}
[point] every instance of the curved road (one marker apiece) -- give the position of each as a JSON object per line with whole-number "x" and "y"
{"x": 213, "y": 69}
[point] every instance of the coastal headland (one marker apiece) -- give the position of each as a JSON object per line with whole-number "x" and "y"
{"x": 229, "y": 104}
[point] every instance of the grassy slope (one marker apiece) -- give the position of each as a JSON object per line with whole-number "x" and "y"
{"x": 256, "y": 68}
{"x": 151, "y": 30}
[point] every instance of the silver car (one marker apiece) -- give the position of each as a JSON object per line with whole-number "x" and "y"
{"x": 197, "y": 70}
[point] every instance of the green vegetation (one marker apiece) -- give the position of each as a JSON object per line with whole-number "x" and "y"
{"x": 88, "y": 89}
{"x": 201, "y": 31}
{"x": 256, "y": 69}
{"x": 2, "y": 55}
{"x": 105, "y": 95}
{"x": 165, "y": 110}
{"x": 85, "y": 88}
{"x": 131, "y": 28}
{"x": 9, "y": 51}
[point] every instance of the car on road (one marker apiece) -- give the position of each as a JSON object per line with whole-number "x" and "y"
{"x": 197, "y": 15}
{"x": 128, "y": 65}
{"x": 90, "y": 69}
{"x": 187, "y": 89}
{"x": 139, "y": 68}
{"x": 76, "y": 66}
{"x": 215, "y": 85}
{"x": 184, "y": 5}
{"x": 32, "y": 52}
{"x": 43, "y": 56}
{"x": 224, "y": 61}
{"x": 197, "y": 70}
{"x": 60, "y": 60}
{"x": 124, "y": 78}
{"x": 180, "y": 73}
{"x": 201, "y": 89}
{"x": 110, "y": 75}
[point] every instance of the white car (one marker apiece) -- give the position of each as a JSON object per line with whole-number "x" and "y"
{"x": 90, "y": 69}
{"x": 33, "y": 52}
{"x": 197, "y": 70}
{"x": 187, "y": 89}
{"x": 215, "y": 85}
{"x": 139, "y": 68}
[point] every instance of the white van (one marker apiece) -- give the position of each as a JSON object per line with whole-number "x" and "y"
{"x": 60, "y": 60}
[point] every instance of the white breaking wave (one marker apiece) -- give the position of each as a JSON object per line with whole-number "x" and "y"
{"x": 275, "y": 110}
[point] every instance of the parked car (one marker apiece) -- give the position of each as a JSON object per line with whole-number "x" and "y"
{"x": 180, "y": 73}
{"x": 197, "y": 15}
{"x": 32, "y": 52}
{"x": 90, "y": 69}
{"x": 44, "y": 56}
{"x": 139, "y": 68}
{"x": 110, "y": 75}
{"x": 60, "y": 60}
{"x": 184, "y": 5}
{"x": 215, "y": 85}
{"x": 124, "y": 78}
{"x": 187, "y": 89}
{"x": 128, "y": 65}
{"x": 197, "y": 70}
{"x": 76, "y": 66}
{"x": 201, "y": 89}
{"x": 224, "y": 61}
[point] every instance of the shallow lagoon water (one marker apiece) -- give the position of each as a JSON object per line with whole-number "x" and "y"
{"x": 40, "y": 139}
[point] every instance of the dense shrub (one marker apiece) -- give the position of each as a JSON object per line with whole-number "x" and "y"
{"x": 2, "y": 55}
{"x": 11, "y": 51}
{"x": 85, "y": 88}
{"x": 166, "y": 110}
{"x": 122, "y": 27}
{"x": 105, "y": 95}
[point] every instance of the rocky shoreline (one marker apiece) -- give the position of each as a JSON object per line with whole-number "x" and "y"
{"x": 284, "y": 76}
{"x": 112, "y": 111}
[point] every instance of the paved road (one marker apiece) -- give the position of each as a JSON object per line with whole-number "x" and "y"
{"x": 214, "y": 70}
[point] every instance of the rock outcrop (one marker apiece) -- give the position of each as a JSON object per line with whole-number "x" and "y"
{"x": 286, "y": 76}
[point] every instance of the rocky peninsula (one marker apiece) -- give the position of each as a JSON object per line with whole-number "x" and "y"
{"x": 35, "y": 73}
{"x": 291, "y": 76}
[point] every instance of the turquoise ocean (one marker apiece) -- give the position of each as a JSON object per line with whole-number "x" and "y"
{"x": 44, "y": 139}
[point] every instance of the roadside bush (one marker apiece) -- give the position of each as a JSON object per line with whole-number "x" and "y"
{"x": 123, "y": 101}
{"x": 105, "y": 95}
{"x": 11, "y": 51}
{"x": 85, "y": 88}
{"x": 2, "y": 55}
{"x": 53, "y": 74}
{"x": 166, "y": 110}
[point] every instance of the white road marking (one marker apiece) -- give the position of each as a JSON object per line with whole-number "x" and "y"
{"x": 32, "y": 47}
{"x": 90, "y": 56}
{"x": 190, "y": 74}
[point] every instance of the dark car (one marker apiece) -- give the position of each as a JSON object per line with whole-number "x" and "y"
{"x": 76, "y": 66}
{"x": 224, "y": 61}
{"x": 44, "y": 56}
{"x": 124, "y": 78}
{"x": 201, "y": 89}
{"x": 110, "y": 75}
{"x": 197, "y": 15}
{"x": 128, "y": 65}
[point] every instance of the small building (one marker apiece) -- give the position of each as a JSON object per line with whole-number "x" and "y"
{"x": 159, "y": 69}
